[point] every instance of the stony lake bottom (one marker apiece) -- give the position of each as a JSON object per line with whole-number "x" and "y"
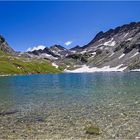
{"x": 60, "y": 106}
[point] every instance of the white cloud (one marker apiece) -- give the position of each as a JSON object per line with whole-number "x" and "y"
{"x": 68, "y": 43}
{"x": 36, "y": 48}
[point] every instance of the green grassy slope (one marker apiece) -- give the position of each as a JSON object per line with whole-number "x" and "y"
{"x": 19, "y": 65}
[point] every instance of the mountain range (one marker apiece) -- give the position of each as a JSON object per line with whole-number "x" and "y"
{"x": 114, "y": 50}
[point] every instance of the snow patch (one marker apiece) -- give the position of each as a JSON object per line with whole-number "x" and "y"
{"x": 73, "y": 51}
{"x": 83, "y": 52}
{"x": 134, "y": 54}
{"x": 110, "y": 43}
{"x": 112, "y": 54}
{"x": 121, "y": 56}
{"x": 53, "y": 64}
{"x": 101, "y": 40}
{"x": 48, "y": 56}
{"x": 56, "y": 52}
{"x": 136, "y": 70}
{"x": 126, "y": 35}
{"x": 129, "y": 39}
{"x": 94, "y": 53}
{"x": 86, "y": 68}
{"x": 66, "y": 54}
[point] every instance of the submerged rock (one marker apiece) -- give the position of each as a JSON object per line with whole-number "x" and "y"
{"x": 93, "y": 130}
{"x": 8, "y": 113}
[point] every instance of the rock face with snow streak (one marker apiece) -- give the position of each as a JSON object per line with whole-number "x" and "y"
{"x": 60, "y": 50}
{"x": 114, "y": 48}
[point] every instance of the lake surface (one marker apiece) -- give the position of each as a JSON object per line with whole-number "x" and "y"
{"x": 60, "y": 106}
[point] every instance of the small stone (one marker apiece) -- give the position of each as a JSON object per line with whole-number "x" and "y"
{"x": 93, "y": 130}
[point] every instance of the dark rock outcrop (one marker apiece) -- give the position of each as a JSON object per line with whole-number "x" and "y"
{"x": 5, "y": 47}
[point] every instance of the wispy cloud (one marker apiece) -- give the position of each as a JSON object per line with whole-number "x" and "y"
{"x": 36, "y": 48}
{"x": 68, "y": 43}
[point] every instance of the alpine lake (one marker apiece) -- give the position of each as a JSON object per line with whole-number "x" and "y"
{"x": 70, "y": 106}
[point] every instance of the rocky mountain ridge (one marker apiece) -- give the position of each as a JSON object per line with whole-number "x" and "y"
{"x": 116, "y": 49}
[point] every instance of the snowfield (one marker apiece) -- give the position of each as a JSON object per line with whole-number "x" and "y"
{"x": 136, "y": 70}
{"x": 85, "y": 68}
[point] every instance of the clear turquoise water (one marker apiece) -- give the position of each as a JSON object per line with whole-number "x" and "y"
{"x": 61, "y": 105}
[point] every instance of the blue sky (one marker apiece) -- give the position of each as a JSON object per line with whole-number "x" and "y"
{"x": 28, "y": 24}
